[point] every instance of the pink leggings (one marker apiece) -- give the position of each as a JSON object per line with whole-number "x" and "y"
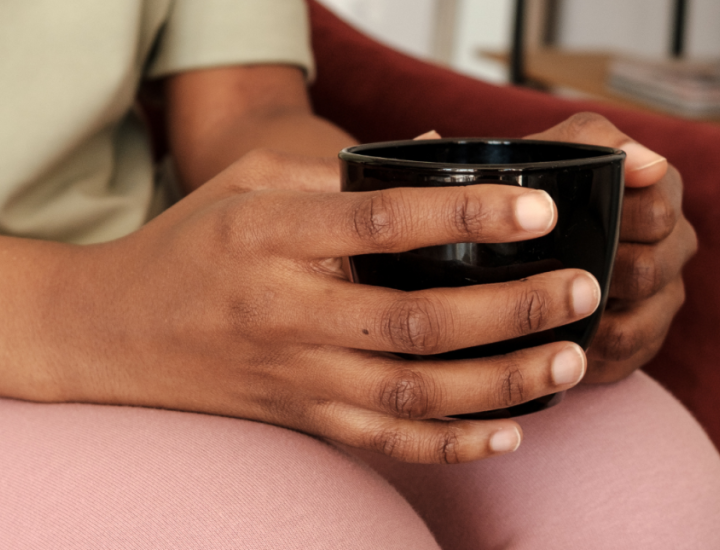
{"x": 614, "y": 467}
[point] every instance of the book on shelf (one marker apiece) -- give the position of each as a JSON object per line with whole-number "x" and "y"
{"x": 689, "y": 89}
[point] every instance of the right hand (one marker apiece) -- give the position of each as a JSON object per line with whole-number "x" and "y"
{"x": 234, "y": 302}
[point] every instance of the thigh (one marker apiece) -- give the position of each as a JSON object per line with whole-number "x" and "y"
{"x": 85, "y": 476}
{"x": 622, "y": 466}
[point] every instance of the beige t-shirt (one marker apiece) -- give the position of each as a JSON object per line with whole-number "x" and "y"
{"x": 75, "y": 161}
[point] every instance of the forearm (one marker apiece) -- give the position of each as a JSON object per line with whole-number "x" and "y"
{"x": 216, "y": 116}
{"x": 297, "y": 131}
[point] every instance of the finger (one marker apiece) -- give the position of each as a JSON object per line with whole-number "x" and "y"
{"x": 630, "y": 334}
{"x": 432, "y": 134}
{"x": 641, "y": 270}
{"x": 419, "y": 390}
{"x": 642, "y": 166}
{"x": 395, "y": 220}
{"x": 441, "y": 319}
{"x": 650, "y": 213}
{"x": 606, "y": 371}
{"x": 426, "y": 441}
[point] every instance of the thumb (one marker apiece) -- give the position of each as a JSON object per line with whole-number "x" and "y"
{"x": 643, "y": 167}
{"x": 432, "y": 134}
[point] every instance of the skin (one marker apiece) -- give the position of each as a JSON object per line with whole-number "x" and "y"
{"x": 215, "y": 116}
{"x": 656, "y": 241}
{"x": 234, "y": 301}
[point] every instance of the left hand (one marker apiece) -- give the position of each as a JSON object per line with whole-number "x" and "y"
{"x": 656, "y": 241}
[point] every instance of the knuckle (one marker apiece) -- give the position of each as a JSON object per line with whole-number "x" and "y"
{"x": 230, "y": 228}
{"x": 249, "y": 316}
{"x": 511, "y": 386}
{"x": 619, "y": 343}
{"x": 646, "y": 277}
{"x": 415, "y": 325}
{"x": 391, "y": 442}
{"x": 408, "y": 394}
{"x": 443, "y": 448}
{"x": 447, "y": 448}
{"x": 660, "y": 217}
{"x": 375, "y": 219}
{"x": 282, "y": 405}
{"x": 469, "y": 216}
{"x": 531, "y": 310}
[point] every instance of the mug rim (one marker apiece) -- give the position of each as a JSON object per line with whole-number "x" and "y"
{"x": 354, "y": 154}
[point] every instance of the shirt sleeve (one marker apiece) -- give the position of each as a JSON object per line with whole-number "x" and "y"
{"x": 211, "y": 33}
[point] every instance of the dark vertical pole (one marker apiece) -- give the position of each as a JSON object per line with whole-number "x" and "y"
{"x": 551, "y": 28}
{"x": 678, "y": 32}
{"x": 517, "y": 54}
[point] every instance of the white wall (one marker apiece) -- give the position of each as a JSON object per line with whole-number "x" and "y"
{"x": 640, "y": 27}
{"x": 486, "y": 25}
{"x": 704, "y": 29}
{"x": 407, "y": 25}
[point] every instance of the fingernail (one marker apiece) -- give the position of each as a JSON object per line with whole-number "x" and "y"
{"x": 585, "y": 295}
{"x": 535, "y": 211}
{"x": 568, "y": 366}
{"x": 505, "y": 440}
{"x": 640, "y": 157}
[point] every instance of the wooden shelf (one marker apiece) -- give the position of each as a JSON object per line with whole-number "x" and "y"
{"x": 584, "y": 72}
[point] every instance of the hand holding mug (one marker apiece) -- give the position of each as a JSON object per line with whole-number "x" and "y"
{"x": 656, "y": 241}
{"x": 233, "y": 302}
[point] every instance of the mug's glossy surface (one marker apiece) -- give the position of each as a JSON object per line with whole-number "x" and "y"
{"x": 586, "y": 183}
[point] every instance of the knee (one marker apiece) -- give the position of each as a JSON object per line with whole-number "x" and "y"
{"x": 104, "y": 474}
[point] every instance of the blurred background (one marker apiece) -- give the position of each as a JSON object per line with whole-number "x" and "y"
{"x": 475, "y": 37}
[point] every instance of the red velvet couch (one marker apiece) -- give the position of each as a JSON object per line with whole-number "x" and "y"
{"x": 379, "y": 94}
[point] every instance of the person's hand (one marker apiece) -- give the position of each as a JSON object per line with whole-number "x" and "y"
{"x": 656, "y": 241}
{"x": 233, "y": 302}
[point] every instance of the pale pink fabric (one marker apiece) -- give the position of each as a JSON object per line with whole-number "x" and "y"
{"x": 76, "y": 477}
{"x": 621, "y": 467}
{"x": 614, "y": 467}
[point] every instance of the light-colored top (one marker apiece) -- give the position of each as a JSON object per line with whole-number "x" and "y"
{"x": 75, "y": 160}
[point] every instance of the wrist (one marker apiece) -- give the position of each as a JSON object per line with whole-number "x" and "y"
{"x": 38, "y": 317}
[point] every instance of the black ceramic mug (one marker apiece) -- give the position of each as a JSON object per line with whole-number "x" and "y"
{"x": 586, "y": 182}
